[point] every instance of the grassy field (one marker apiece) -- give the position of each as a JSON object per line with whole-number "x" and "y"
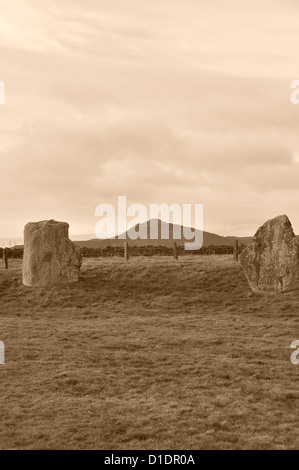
{"x": 151, "y": 354}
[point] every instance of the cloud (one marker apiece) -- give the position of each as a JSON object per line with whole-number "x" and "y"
{"x": 163, "y": 101}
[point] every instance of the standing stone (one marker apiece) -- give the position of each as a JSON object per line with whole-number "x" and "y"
{"x": 50, "y": 257}
{"x": 271, "y": 260}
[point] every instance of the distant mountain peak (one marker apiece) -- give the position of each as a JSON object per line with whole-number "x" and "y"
{"x": 208, "y": 238}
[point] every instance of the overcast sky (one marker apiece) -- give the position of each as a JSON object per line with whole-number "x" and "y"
{"x": 175, "y": 101}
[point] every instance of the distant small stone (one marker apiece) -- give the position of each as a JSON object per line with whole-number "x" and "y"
{"x": 50, "y": 257}
{"x": 271, "y": 260}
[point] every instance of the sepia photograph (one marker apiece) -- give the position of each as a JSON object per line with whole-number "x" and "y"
{"x": 149, "y": 227}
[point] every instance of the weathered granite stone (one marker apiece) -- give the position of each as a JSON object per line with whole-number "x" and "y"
{"x": 50, "y": 257}
{"x": 271, "y": 260}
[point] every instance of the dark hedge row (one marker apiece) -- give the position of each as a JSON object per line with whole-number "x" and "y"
{"x": 16, "y": 253}
{"x": 110, "y": 251}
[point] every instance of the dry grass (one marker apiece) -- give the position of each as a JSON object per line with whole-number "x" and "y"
{"x": 151, "y": 354}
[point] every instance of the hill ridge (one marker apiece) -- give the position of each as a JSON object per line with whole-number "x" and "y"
{"x": 208, "y": 237}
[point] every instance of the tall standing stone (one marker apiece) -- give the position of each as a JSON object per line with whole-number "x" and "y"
{"x": 271, "y": 260}
{"x": 50, "y": 258}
